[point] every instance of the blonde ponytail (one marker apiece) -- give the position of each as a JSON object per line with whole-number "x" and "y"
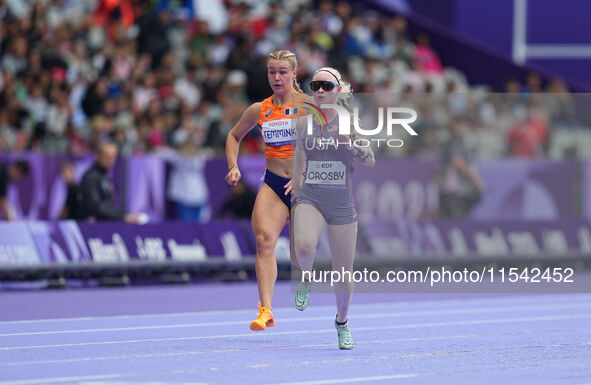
{"x": 296, "y": 87}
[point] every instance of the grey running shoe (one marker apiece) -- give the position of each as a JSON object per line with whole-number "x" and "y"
{"x": 302, "y": 297}
{"x": 345, "y": 339}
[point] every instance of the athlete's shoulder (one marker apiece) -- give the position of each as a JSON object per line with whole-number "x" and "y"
{"x": 306, "y": 98}
{"x": 249, "y": 118}
{"x": 300, "y": 98}
{"x": 254, "y": 110}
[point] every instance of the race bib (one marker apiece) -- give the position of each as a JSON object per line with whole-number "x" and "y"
{"x": 279, "y": 132}
{"x": 329, "y": 173}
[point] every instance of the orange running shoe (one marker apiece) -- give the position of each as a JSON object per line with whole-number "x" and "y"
{"x": 264, "y": 319}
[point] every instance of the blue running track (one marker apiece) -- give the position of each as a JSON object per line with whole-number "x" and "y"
{"x": 199, "y": 335}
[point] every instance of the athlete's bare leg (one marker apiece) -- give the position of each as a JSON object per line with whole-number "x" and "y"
{"x": 269, "y": 215}
{"x": 343, "y": 242}
{"x": 292, "y": 254}
{"x": 309, "y": 224}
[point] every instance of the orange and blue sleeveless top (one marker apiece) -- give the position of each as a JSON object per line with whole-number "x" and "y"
{"x": 278, "y": 126}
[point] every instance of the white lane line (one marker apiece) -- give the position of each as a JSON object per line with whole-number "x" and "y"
{"x": 242, "y": 350}
{"x": 485, "y": 310}
{"x": 359, "y": 360}
{"x": 291, "y": 363}
{"x": 396, "y": 304}
{"x": 287, "y": 348}
{"x": 274, "y": 334}
{"x": 350, "y": 380}
{"x": 142, "y": 383}
{"x": 61, "y": 380}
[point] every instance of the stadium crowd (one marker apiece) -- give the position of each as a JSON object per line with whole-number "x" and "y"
{"x": 148, "y": 75}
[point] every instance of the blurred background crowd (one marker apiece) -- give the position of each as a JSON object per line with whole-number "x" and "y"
{"x": 147, "y": 75}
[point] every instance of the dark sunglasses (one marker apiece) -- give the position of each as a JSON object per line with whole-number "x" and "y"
{"x": 325, "y": 84}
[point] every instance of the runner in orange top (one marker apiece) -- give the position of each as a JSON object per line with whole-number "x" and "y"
{"x": 276, "y": 118}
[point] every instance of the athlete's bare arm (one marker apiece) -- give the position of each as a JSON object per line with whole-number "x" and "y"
{"x": 299, "y": 161}
{"x": 363, "y": 154}
{"x": 245, "y": 124}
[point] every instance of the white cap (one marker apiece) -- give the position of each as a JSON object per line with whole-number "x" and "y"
{"x": 236, "y": 78}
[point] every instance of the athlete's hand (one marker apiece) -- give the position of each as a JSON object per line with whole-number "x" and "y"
{"x": 295, "y": 187}
{"x": 233, "y": 176}
{"x": 287, "y": 187}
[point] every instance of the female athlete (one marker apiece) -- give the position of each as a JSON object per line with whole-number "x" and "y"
{"x": 323, "y": 167}
{"x": 276, "y": 119}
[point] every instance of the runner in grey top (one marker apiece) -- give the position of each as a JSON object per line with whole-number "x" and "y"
{"x": 322, "y": 189}
{"x": 327, "y": 178}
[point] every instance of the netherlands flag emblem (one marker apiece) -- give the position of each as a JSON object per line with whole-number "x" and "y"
{"x": 291, "y": 111}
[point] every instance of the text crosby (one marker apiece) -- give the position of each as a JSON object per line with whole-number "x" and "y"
{"x": 326, "y": 175}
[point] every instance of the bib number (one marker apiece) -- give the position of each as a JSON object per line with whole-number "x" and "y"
{"x": 327, "y": 173}
{"x": 278, "y": 132}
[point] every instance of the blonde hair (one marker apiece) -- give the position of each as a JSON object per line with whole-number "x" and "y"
{"x": 346, "y": 92}
{"x": 283, "y": 54}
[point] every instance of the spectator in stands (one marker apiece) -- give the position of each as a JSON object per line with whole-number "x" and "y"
{"x": 560, "y": 104}
{"x": 36, "y": 105}
{"x": 404, "y": 49}
{"x": 15, "y": 60}
{"x": 97, "y": 190}
{"x": 240, "y": 203}
{"x": 187, "y": 187}
{"x": 152, "y": 37}
{"x": 428, "y": 60}
{"x": 73, "y": 73}
{"x": 74, "y": 197}
{"x": 460, "y": 186}
{"x": 58, "y": 118}
{"x": 529, "y": 136}
{"x": 96, "y": 94}
{"x": 186, "y": 89}
{"x": 8, "y": 135}
{"x": 533, "y": 84}
{"x": 9, "y": 174}
{"x": 426, "y": 146}
{"x": 512, "y": 86}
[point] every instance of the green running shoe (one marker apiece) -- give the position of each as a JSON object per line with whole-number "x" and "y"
{"x": 302, "y": 297}
{"x": 345, "y": 339}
